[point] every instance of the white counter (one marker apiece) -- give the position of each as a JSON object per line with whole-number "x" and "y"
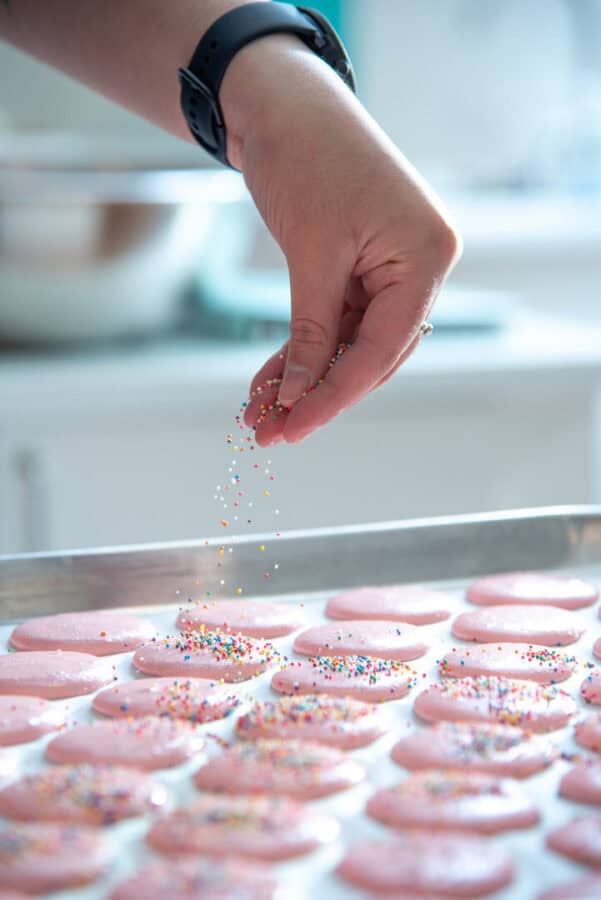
{"x": 127, "y": 445}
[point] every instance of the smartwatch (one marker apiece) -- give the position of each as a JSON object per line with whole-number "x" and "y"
{"x": 201, "y": 80}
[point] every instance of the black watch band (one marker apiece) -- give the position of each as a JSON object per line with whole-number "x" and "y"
{"x": 201, "y": 80}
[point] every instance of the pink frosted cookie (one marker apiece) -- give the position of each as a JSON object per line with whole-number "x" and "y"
{"x": 543, "y": 664}
{"x": 419, "y": 862}
{"x": 579, "y": 839}
{"x": 387, "y": 640}
{"x": 251, "y": 617}
{"x": 392, "y": 603}
{"x": 99, "y": 633}
{"x": 12, "y": 895}
{"x": 265, "y": 828}
{"x": 532, "y": 588}
{"x": 195, "y": 699}
{"x": 597, "y": 648}
{"x": 192, "y": 879}
{"x": 588, "y": 732}
{"x": 147, "y": 743}
{"x": 363, "y": 677}
{"x": 582, "y": 784}
{"x": 531, "y": 706}
{"x": 296, "y": 769}
{"x": 27, "y": 718}
{"x": 463, "y": 801}
{"x": 41, "y": 858}
{"x": 90, "y": 795}
{"x": 590, "y": 689}
{"x": 337, "y": 721}
{"x": 587, "y": 888}
{"x": 209, "y": 654}
{"x": 476, "y": 746}
{"x": 53, "y": 673}
{"x": 523, "y": 624}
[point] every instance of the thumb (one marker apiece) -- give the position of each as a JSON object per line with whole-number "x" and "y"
{"x": 317, "y": 293}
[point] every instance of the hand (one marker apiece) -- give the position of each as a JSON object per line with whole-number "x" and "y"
{"x": 366, "y": 241}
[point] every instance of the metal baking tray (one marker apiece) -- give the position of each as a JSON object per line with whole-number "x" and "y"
{"x": 429, "y": 549}
{"x": 312, "y": 565}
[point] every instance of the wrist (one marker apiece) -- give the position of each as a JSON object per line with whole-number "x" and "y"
{"x": 259, "y": 84}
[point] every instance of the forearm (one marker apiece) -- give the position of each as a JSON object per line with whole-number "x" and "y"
{"x": 128, "y": 50}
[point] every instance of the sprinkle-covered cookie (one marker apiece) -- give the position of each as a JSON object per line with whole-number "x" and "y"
{"x": 339, "y": 722}
{"x": 475, "y": 746}
{"x": 262, "y": 827}
{"x": 526, "y": 704}
{"x": 298, "y": 769}
{"x": 207, "y": 654}
{"x": 464, "y": 801}
{"x": 41, "y": 858}
{"x": 362, "y": 677}
{"x": 91, "y": 795}
{"x": 547, "y": 665}
{"x": 194, "y": 699}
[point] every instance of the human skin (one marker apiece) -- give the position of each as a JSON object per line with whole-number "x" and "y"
{"x": 367, "y": 242}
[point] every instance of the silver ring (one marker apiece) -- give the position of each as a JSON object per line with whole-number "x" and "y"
{"x": 426, "y": 328}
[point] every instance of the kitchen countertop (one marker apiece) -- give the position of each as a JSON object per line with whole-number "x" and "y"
{"x": 172, "y": 375}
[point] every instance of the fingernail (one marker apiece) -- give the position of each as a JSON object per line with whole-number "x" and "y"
{"x": 296, "y": 382}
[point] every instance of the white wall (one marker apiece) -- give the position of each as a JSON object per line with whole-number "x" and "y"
{"x": 471, "y": 87}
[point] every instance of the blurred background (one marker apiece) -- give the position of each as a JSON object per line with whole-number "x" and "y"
{"x": 139, "y": 292}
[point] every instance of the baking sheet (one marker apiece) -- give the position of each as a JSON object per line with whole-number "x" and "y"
{"x": 566, "y": 540}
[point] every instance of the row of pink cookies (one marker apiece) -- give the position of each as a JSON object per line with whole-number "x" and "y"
{"x": 75, "y": 673}
{"x": 78, "y": 634}
{"x": 365, "y": 658}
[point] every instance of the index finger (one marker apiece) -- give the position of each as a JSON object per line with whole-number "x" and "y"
{"x": 391, "y": 324}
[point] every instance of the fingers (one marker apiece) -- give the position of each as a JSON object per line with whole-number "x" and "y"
{"x": 402, "y": 358}
{"x": 272, "y": 369}
{"x": 318, "y": 285}
{"x": 266, "y": 415}
{"x": 389, "y": 331}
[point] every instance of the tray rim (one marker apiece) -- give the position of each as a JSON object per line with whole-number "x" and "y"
{"x": 431, "y": 550}
{"x": 576, "y": 512}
